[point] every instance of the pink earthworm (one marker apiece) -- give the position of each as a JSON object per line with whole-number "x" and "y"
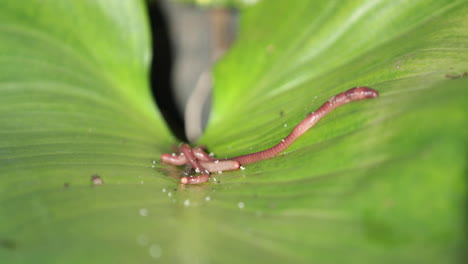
{"x": 188, "y": 154}
{"x": 353, "y": 94}
{"x": 212, "y": 164}
{"x": 202, "y": 155}
{"x": 200, "y": 161}
{"x": 174, "y": 159}
{"x": 204, "y": 163}
{"x": 204, "y": 167}
{"x": 220, "y": 165}
{"x": 195, "y": 179}
{"x": 180, "y": 159}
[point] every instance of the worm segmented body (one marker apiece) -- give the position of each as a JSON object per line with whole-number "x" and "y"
{"x": 204, "y": 163}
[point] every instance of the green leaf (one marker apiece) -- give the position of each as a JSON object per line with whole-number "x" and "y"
{"x": 376, "y": 180}
{"x": 74, "y": 102}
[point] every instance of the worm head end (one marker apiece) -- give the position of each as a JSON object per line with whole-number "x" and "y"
{"x": 184, "y": 180}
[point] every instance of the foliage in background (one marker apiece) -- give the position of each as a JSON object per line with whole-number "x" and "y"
{"x": 220, "y": 3}
{"x": 381, "y": 180}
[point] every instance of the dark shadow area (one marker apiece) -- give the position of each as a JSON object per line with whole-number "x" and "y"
{"x": 161, "y": 70}
{"x": 9, "y": 244}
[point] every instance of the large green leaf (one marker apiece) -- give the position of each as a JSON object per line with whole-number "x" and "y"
{"x": 377, "y": 180}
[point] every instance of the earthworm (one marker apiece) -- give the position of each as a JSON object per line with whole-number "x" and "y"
{"x": 204, "y": 163}
{"x": 353, "y": 94}
{"x": 220, "y": 165}
{"x": 180, "y": 159}
{"x": 190, "y": 157}
{"x": 202, "y": 155}
{"x": 212, "y": 164}
{"x": 195, "y": 179}
{"x": 174, "y": 159}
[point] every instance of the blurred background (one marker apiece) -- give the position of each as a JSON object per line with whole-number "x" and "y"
{"x": 188, "y": 38}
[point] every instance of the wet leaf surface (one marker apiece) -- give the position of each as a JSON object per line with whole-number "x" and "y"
{"x": 379, "y": 180}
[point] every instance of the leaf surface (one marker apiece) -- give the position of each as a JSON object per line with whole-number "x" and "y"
{"x": 376, "y": 180}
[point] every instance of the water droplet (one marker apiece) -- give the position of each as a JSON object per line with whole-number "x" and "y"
{"x": 155, "y": 251}
{"x": 163, "y": 189}
{"x": 207, "y": 198}
{"x": 285, "y": 125}
{"x": 240, "y": 205}
{"x": 242, "y": 167}
{"x": 187, "y": 203}
{"x": 143, "y": 212}
{"x": 169, "y": 194}
{"x": 154, "y": 162}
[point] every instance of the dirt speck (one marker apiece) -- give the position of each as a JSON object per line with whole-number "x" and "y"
{"x": 270, "y": 48}
{"x": 97, "y": 180}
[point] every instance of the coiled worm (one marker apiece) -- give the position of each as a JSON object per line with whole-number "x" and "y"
{"x": 204, "y": 164}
